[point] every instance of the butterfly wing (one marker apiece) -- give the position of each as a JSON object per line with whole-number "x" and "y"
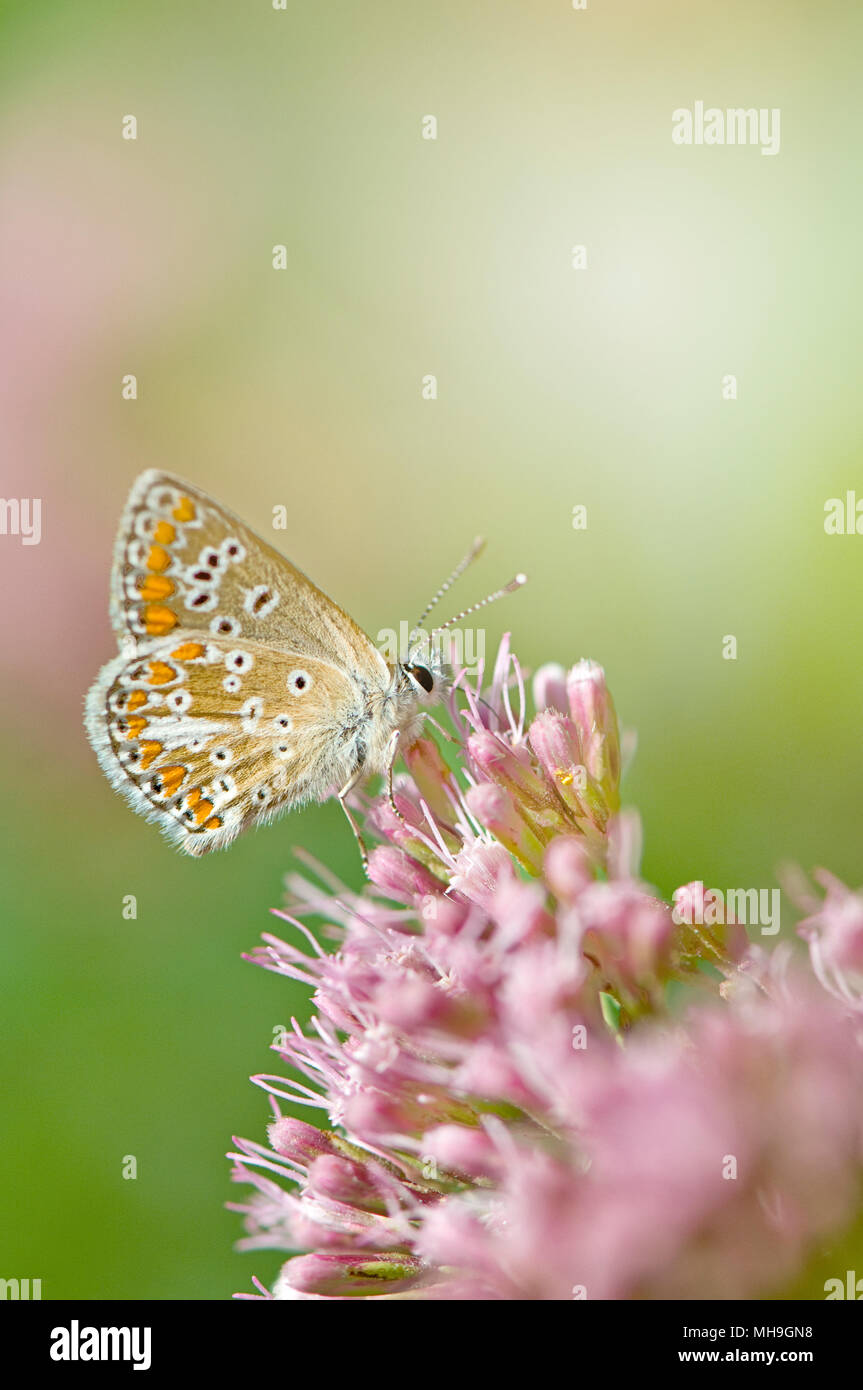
{"x": 182, "y": 561}
{"x": 208, "y": 735}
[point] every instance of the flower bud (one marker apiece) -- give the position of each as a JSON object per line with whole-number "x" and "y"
{"x": 298, "y": 1141}
{"x": 400, "y": 877}
{"x": 413, "y": 1004}
{"x": 431, "y": 775}
{"x": 478, "y": 870}
{"x": 463, "y": 1149}
{"x": 628, "y": 934}
{"x": 567, "y": 868}
{"x": 338, "y": 1275}
{"x": 495, "y": 808}
{"x": 342, "y": 1180}
{"x": 549, "y": 688}
{"x": 442, "y": 916}
{"x": 554, "y": 740}
{"x": 400, "y": 826}
{"x": 704, "y": 932}
{"x": 593, "y": 713}
{"x": 507, "y": 767}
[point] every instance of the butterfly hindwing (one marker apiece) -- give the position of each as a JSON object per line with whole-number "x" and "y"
{"x": 182, "y": 561}
{"x": 208, "y": 735}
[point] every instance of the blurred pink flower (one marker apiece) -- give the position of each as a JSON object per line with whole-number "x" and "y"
{"x": 515, "y": 1110}
{"x": 834, "y": 932}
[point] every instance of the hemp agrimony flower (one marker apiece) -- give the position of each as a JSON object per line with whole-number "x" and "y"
{"x": 512, "y": 1103}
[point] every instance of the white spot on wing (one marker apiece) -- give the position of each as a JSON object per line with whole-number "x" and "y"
{"x": 251, "y": 713}
{"x": 239, "y": 662}
{"x": 299, "y": 682}
{"x": 202, "y": 600}
{"x": 260, "y": 601}
{"x": 232, "y": 550}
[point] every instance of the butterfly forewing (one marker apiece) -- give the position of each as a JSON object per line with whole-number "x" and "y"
{"x": 182, "y": 561}
{"x": 208, "y": 735}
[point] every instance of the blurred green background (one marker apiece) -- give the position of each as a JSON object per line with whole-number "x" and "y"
{"x": 557, "y": 387}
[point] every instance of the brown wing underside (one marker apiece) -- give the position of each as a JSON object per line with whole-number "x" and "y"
{"x": 182, "y": 561}
{"x": 208, "y": 735}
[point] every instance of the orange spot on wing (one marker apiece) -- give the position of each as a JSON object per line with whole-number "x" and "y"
{"x": 202, "y": 811}
{"x": 193, "y": 798}
{"x": 155, "y": 586}
{"x": 188, "y": 651}
{"x": 135, "y": 725}
{"x": 159, "y": 620}
{"x": 171, "y": 778}
{"x": 164, "y": 533}
{"x": 161, "y": 673}
{"x": 149, "y": 751}
{"x": 213, "y": 823}
{"x": 184, "y": 510}
{"x": 135, "y": 699}
{"x": 158, "y": 559}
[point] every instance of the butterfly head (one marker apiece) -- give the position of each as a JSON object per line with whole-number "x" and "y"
{"x": 425, "y": 669}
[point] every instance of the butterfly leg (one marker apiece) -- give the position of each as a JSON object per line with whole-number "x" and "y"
{"x": 391, "y": 762}
{"x": 392, "y": 753}
{"x": 343, "y": 795}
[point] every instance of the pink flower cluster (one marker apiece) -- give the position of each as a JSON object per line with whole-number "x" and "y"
{"x": 515, "y": 1110}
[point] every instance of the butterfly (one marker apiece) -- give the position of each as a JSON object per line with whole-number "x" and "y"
{"x": 241, "y": 690}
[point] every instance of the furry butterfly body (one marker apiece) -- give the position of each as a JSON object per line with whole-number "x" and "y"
{"x": 241, "y": 690}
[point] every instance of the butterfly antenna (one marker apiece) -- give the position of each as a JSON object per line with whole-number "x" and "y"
{"x": 509, "y": 588}
{"x": 460, "y": 568}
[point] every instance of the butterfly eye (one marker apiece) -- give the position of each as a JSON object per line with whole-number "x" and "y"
{"x": 422, "y": 676}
